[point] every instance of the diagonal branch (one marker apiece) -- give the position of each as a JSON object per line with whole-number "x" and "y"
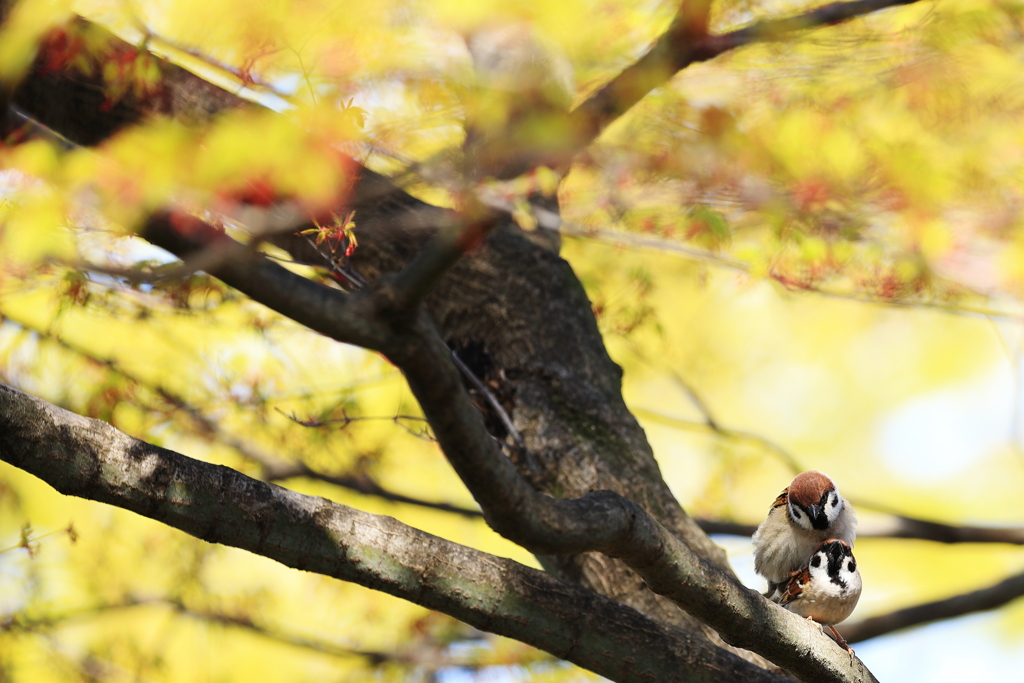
{"x": 348, "y": 318}
{"x": 677, "y": 49}
{"x": 440, "y": 253}
{"x": 602, "y": 521}
{"x": 91, "y": 459}
{"x": 981, "y": 600}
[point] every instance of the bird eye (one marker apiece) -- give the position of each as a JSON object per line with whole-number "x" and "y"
{"x": 816, "y": 561}
{"x": 852, "y": 566}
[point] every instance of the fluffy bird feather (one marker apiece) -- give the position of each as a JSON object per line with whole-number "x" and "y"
{"x": 806, "y": 514}
{"x": 827, "y": 589}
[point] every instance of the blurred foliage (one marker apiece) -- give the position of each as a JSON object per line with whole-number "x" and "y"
{"x": 836, "y": 230}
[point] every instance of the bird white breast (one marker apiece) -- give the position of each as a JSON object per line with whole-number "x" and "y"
{"x": 827, "y": 602}
{"x": 781, "y": 547}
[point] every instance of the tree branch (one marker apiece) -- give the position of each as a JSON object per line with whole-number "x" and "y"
{"x": 91, "y": 459}
{"x": 897, "y": 527}
{"x": 440, "y": 253}
{"x": 677, "y": 49}
{"x": 348, "y": 318}
{"x": 981, "y": 600}
{"x": 602, "y": 521}
{"x": 18, "y": 622}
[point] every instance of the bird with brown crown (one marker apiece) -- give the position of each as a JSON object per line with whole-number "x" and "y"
{"x": 805, "y": 515}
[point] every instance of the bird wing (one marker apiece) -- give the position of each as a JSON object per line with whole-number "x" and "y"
{"x": 795, "y": 586}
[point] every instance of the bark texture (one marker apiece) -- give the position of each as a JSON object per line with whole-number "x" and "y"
{"x": 91, "y": 459}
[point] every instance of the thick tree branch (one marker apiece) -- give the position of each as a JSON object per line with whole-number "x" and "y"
{"x": 91, "y": 459}
{"x": 600, "y": 520}
{"x": 981, "y": 600}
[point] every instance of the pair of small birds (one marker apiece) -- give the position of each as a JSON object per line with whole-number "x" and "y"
{"x": 805, "y": 550}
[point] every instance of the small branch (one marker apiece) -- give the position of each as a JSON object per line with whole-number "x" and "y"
{"x": 18, "y": 622}
{"x": 696, "y": 399}
{"x": 921, "y": 529}
{"x": 725, "y": 528}
{"x": 896, "y": 527}
{"x": 345, "y": 420}
{"x": 777, "y": 29}
{"x": 247, "y": 624}
{"x": 506, "y": 421}
{"x": 982, "y": 600}
{"x": 273, "y": 468}
{"x": 360, "y": 483}
{"x": 677, "y": 49}
{"x": 348, "y": 318}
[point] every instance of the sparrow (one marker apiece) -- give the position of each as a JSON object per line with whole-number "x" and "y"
{"x": 805, "y": 514}
{"x": 827, "y": 589}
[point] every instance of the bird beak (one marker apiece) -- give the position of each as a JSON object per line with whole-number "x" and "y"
{"x": 835, "y": 553}
{"x": 817, "y": 515}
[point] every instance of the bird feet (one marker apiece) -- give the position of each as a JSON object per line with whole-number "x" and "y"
{"x": 838, "y": 638}
{"x": 842, "y": 642}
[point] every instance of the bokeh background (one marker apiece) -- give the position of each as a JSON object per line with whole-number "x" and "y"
{"x": 805, "y": 255}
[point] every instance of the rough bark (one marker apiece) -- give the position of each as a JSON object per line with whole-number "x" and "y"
{"x": 91, "y": 459}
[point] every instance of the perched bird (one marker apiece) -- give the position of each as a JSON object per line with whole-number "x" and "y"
{"x": 827, "y": 589}
{"x": 804, "y": 515}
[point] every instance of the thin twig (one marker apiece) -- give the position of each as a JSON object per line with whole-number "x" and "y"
{"x": 346, "y": 420}
{"x": 896, "y": 527}
{"x": 732, "y": 434}
{"x": 676, "y": 50}
{"x": 18, "y": 622}
{"x": 506, "y": 421}
{"x": 273, "y": 468}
